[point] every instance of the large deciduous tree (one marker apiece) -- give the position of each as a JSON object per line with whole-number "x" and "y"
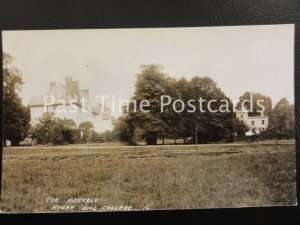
{"x": 213, "y": 125}
{"x": 282, "y": 121}
{"x": 150, "y": 85}
{"x": 47, "y": 130}
{"x": 52, "y": 130}
{"x": 16, "y": 115}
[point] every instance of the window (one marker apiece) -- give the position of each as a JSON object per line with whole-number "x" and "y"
{"x": 252, "y": 122}
{"x": 242, "y": 116}
{"x": 263, "y": 122}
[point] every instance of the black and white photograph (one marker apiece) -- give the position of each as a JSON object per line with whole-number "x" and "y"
{"x": 132, "y": 119}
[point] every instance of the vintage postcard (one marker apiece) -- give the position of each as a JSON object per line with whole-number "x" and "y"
{"x": 148, "y": 119}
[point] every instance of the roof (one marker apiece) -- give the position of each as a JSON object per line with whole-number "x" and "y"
{"x": 258, "y": 117}
{"x": 237, "y": 111}
{"x": 37, "y": 100}
{"x": 58, "y": 87}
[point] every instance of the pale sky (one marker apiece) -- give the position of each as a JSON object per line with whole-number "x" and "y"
{"x": 105, "y": 61}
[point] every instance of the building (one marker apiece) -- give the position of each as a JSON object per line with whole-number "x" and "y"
{"x": 70, "y": 102}
{"x": 256, "y": 124}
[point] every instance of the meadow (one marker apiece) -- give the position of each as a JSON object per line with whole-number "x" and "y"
{"x": 159, "y": 177}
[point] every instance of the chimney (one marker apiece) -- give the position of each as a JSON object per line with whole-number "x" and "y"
{"x": 69, "y": 85}
{"x": 76, "y": 87}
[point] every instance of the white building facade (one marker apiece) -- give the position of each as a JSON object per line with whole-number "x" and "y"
{"x": 68, "y": 101}
{"x": 256, "y": 124}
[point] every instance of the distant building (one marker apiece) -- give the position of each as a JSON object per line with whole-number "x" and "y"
{"x": 256, "y": 124}
{"x": 63, "y": 99}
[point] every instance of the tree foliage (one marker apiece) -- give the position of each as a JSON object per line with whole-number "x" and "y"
{"x": 282, "y": 121}
{"x": 255, "y": 97}
{"x": 56, "y": 131}
{"x": 16, "y": 115}
{"x": 151, "y": 84}
{"x": 87, "y": 130}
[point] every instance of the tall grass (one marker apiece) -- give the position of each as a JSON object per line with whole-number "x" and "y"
{"x": 160, "y": 177}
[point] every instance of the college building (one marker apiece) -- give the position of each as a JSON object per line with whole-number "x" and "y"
{"x": 70, "y": 102}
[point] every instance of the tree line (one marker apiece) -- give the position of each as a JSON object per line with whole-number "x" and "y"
{"x": 199, "y": 126}
{"x": 137, "y": 125}
{"x": 57, "y": 131}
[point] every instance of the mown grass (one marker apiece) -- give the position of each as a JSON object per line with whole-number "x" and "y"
{"x": 162, "y": 177}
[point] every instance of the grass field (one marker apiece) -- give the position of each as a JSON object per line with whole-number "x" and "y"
{"x": 160, "y": 177}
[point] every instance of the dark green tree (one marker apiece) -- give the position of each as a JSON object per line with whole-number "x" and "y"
{"x": 68, "y": 130}
{"x": 86, "y": 128}
{"x": 47, "y": 130}
{"x": 266, "y": 102}
{"x": 150, "y": 85}
{"x": 16, "y": 115}
{"x": 123, "y": 128}
{"x": 282, "y": 121}
{"x": 211, "y": 126}
{"x": 55, "y": 131}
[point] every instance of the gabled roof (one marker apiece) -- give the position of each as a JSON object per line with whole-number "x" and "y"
{"x": 58, "y": 87}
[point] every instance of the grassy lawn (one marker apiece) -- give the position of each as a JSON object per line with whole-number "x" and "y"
{"x": 162, "y": 177}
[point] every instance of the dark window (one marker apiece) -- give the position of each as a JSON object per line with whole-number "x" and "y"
{"x": 263, "y": 122}
{"x": 252, "y": 122}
